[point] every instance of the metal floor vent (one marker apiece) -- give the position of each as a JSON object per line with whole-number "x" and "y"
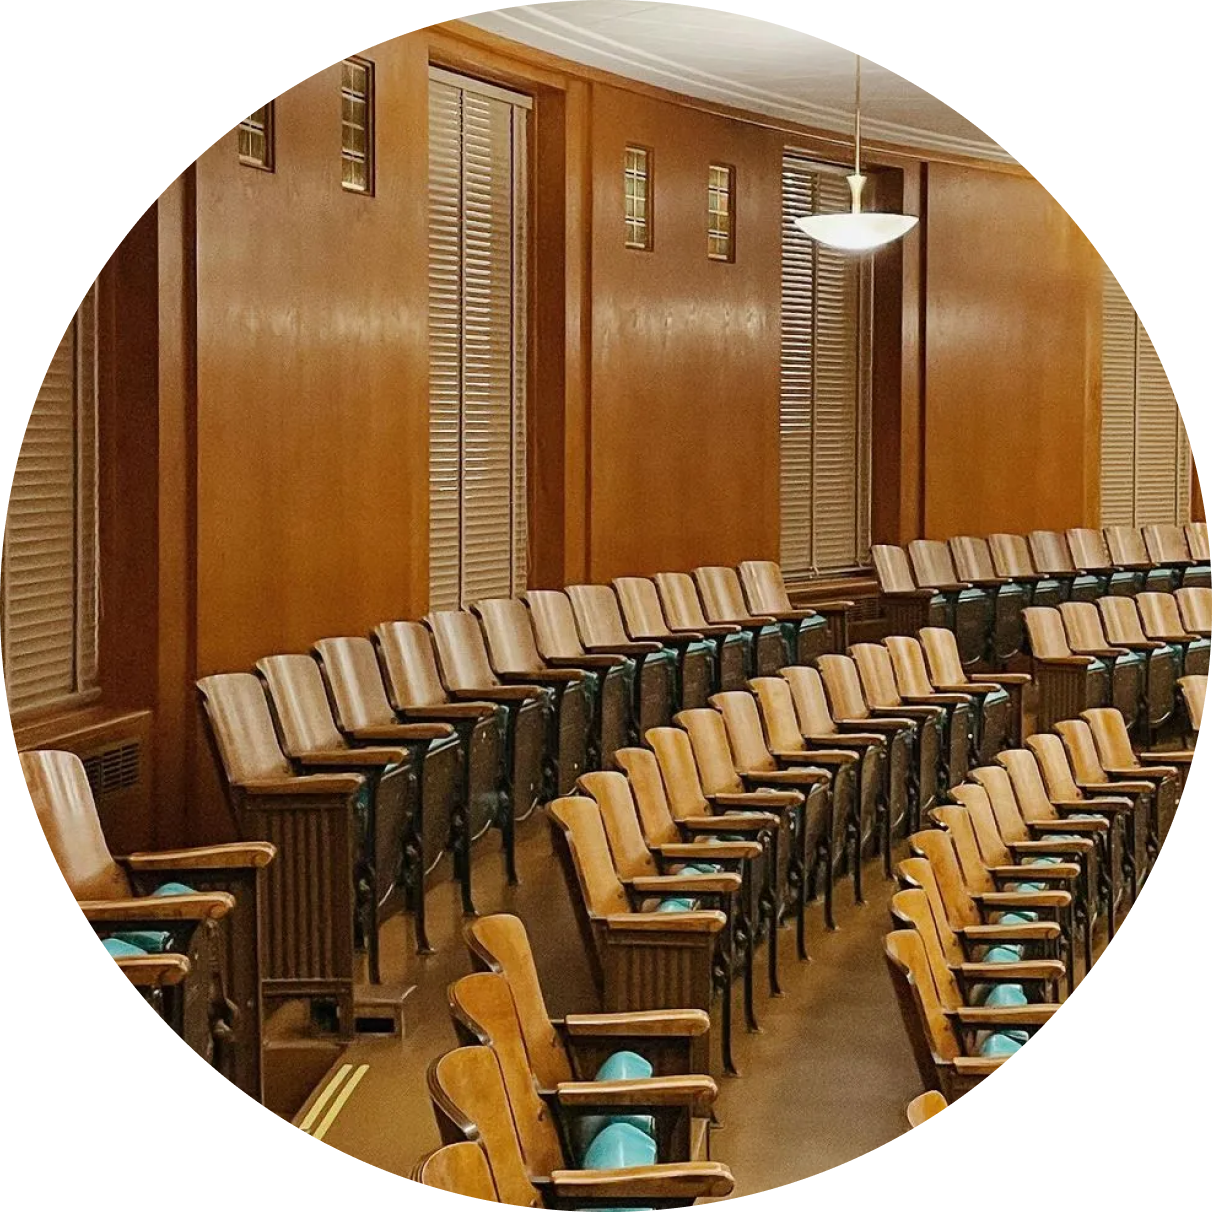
{"x": 115, "y": 769}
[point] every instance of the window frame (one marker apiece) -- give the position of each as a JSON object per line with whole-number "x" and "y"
{"x": 266, "y": 164}
{"x": 727, "y": 257}
{"x": 352, "y": 155}
{"x": 649, "y": 177}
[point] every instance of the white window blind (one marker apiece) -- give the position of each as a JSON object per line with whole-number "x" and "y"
{"x": 49, "y": 584}
{"x": 1146, "y": 459}
{"x": 825, "y": 393}
{"x": 477, "y": 338}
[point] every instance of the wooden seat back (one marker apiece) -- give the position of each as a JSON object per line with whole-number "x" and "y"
{"x": 675, "y": 755}
{"x": 243, "y": 728}
{"x": 998, "y": 787}
{"x": 931, "y": 561}
{"x": 409, "y": 665}
{"x": 916, "y": 873}
{"x": 510, "y": 635}
{"x": 641, "y": 606}
{"x": 482, "y": 1007}
{"x": 1088, "y": 547}
{"x": 1121, "y": 623}
{"x": 721, "y": 594}
{"x": 1194, "y": 687}
{"x": 765, "y": 589}
{"x": 589, "y": 849}
{"x": 909, "y": 666}
{"x": 1195, "y": 607}
{"x": 1050, "y": 553}
{"x": 1159, "y": 616}
{"x": 914, "y": 983}
{"x": 938, "y": 847}
{"x": 355, "y": 682}
{"x": 1083, "y": 626}
{"x": 942, "y": 656}
{"x": 643, "y": 772}
{"x": 989, "y": 841}
{"x": 1166, "y": 544}
{"x": 680, "y": 600}
{"x": 1197, "y": 541}
{"x": 554, "y": 624}
{"x": 712, "y": 753}
{"x": 1111, "y": 738}
{"x": 1046, "y": 631}
{"x": 874, "y": 663}
{"x": 972, "y": 559}
{"x": 743, "y": 724}
{"x": 296, "y": 687}
{"x": 892, "y": 568}
{"x": 598, "y": 617}
{"x": 843, "y": 687}
{"x": 611, "y": 792}
{"x": 926, "y": 1106}
{"x": 470, "y": 1102}
{"x": 954, "y": 818}
{"x": 1082, "y": 752}
{"x": 1126, "y": 546}
{"x": 1011, "y": 556}
{"x": 461, "y": 1169}
{"x": 462, "y": 653}
{"x": 911, "y": 909}
{"x": 810, "y": 701}
{"x": 67, "y": 813}
{"x": 778, "y": 713}
{"x": 498, "y": 942}
{"x": 1043, "y": 775}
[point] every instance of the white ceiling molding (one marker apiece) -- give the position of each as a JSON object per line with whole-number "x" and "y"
{"x": 735, "y": 60}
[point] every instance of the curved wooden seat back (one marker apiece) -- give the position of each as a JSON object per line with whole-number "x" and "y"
{"x": 926, "y": 1106}
{"x": 648, "y": 788}
{"x": 942, "y": 656}
{"x": 1088, "y": 549}
{"x": 874, "y": 663}
{"x": 296, "y": 687}
{"x": 555, "y": 626}
{"x": 743, "y": 726}
{"x": 1082, "y": 752}
{"x": 972, "y": 558}
{"x": 1195, "y": 608}
{"x": 410, "y": 665}
{"x": 641, "y": 606}
{"x": 924, "y": 1014}
{"x": 765, "y": 589}
{"x": 1083, "y": 626}
{"x": 843, "y": 687}
{"x": 1194, "y": 688}
{"x": 680, "y": 600}
{"x": 1046, "y": 631}
{"x": 909, "y": 666}
{"x": 721, "y": 594}
{"x": 675, "y": 755}
{"x": 1050, "y": 553}
{"x": 892, "y": 568}
{"x": 999, "y": 790}
{"x": 1041, "y": 774}
{"x": 712, "y": 753}
{"x": 64, "y": 803}
{"x": 931, "y": 562}
{"x": 1012, "y": 556}
{"x": 470, "y": 1102}
{"x": 462, "y": 652}
{"x": 461, "y": 1169}
{"x": 1111, "y": 738}
{"x": 482, "y": 1007}
{"x": 911, "y": 909}
{"x": 1197, "y": 541}
{"x": 610, "y": 790}
{"x": 937, "y": 846}
{"x": 1159, "y": 616}
{"x": 507, "y": 628}
{"x": 581, "y": 821}
{"x": 810, "y": 702}
{"x": 355, "y": 682}
{"x": 916, "y": 874}
{"x": 598, "y": 616}
{"x": 1120, "y": 620}
{"x": 499, "y": 943}
{"x": 1166, "y": 544}
{"x": 955, "y": 819}
{"x": 778, "y": 712}
{"x": 989, "y": 842}
{"x": 1126, "y": 546}
{"x": 243, "y": 728}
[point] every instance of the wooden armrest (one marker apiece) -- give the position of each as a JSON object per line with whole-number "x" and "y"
{"x": 1022, "y": 932}
{"x": 703, "y": 850}
{"x": 1077, "y": 846}
{"x": 401, "y": 732}
{"x": 304, "y": 784}
{"x": 1022, "y": 900}
{"x": 544, "y": 677}
{"x": 731, "y": 822}
{"x": 1024, "y": 871}
{"x": 947, "y": 699}
{"x": 1004, "y": 1016}
{"x": 631, "y": 648}
{"x": 791, "y": 616}
{"x": 722, "y": 882}
{"x": 588, "y": 660}
{"x": 837, "y": 606}
{"x": 377, "y": 755}
{"x": 755, "y": 620}
{"x": 976, "y": 1066}
{"x": 151, "y": 971}
{"x": 693, "y": 921}
{"x": 760, "y": 801}
{"x": 1006, "y": 679}
{"x": 1102, "y": 652}
{"x": 909, "y": 711}
{"x": 684, "y": 1181}
{"x": 449, "y": 711}
{"x": 971, "y": 688}
{"x": 714, "y": 630}
{"x": 863, "y": 740}
{"x": 655, "y": 1023}
{"x": 874, "y": 723}
{"x": 951, "y": 586}
{"x": 802, "y": 776}
{"x": 1142, "y": 773}
{"x": 1182, "y": 757}
{"x": 679, "y": 636}
{"x": 906, "y": 594}
{"x": 1123, "y": 789}
{"x": 826, "y": 757}
{"x": 499, "y": 694}
{"x": 670, "y": 1091}
{"x": 1102, "y": 804}
{"x": 1082, "y": 662}
{"x": 203, "y": 858}
{"x": 1021, "y": 970}
{"x": 187, "y": 907}
{"x": 1098, "y": 825}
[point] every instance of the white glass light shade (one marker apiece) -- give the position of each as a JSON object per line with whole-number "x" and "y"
{"x": 856, "y": 232}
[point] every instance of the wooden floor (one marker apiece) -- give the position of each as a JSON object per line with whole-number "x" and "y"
{"x": 832, "y": 1048}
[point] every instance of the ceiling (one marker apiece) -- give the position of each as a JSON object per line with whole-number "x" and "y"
{"x": 750, "y": 64}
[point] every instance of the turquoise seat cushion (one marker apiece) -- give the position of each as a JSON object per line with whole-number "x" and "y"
{"x": 119, "y": 948}
{"x": 1000, "y": 695}
{"x": 172, "y": 888}
{"x": 1020, "y": 917}
{"x": 675, "y": 904}
{"x": 1042, "y": 860}
{"x": 1002, "y": 1043}
{"x": 1005, "y": 995}
{"x": 154, "y": 941}
{"x": 1026, "y": 887}
{"x": 618, "y": 1146}
{"x": 702, "y": 869}
{"x": 617, "y": 1067}
{"x": 1003, "y": 953}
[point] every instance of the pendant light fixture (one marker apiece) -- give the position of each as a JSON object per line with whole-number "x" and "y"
{"x": 857, "y": 230}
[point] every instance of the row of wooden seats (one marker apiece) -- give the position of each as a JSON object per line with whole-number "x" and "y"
{"x": 592, "y": 1110}
{"x": 183, "y": 925}
{"x": 1033, "y": 848}
{"x": 979, "y": 586}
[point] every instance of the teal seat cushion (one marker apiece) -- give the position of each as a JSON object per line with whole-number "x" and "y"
{"x": 617, "y": 1067}
{"x": 1042, "y": 860}
{"x": 1003, "y": 953}
{"x": 119, "y": 948}
{"x": 154, "y": 941}
{"x": 702, "y": 869}
{"x": 1005, "y": 995}
{"x": 1026, "y": 887}
{"x": 1020, "y": 917}
{"x": 172, "y": 888}
{"x": 675, "y": 904}
{"x": 618, "y": 1146}
{"x": 1002, "y": 1043}
{"x": 1000, "y": 695}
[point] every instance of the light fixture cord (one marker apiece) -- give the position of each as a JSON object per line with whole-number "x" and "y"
{"x": 857, "y": 100}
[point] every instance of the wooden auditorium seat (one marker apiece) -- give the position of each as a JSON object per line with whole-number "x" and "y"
{"x": 393, "y": 848}
{"x": 645, "y": 673}
{"x": 1068, "y": 682}
{"x": 906, "y": 607}
{"x": 1091, "y": 555}
{"x": 415, "y": 695}
{"x": 173, "y": 916}
{"x": 733, "y": 645}
{"x": 766, "y": 593}
{"x": 971, "y": 606}
{"x": 1128, "y": 550}
{"x": 974, "y": 564}
{"x": 1126, "y": 667}
{"x": 515, "y": 658}
{"x": 1194, "y": 688}
{"x": 160, "y": 980}
{"x": 1052, "y": 557}
{"x": 1012, "y": 558}
{"x": 1161, "y": 620}
{"x": 1195, "y": 609}
{"x": 1197, "y": 541}
{"x": 461, "y": 1168}
{"x": 1122, "y": 627}
{"x": 926, "y": 1106}
{"x": 1167, "y": 548}
{"x": 772, "y": 645}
